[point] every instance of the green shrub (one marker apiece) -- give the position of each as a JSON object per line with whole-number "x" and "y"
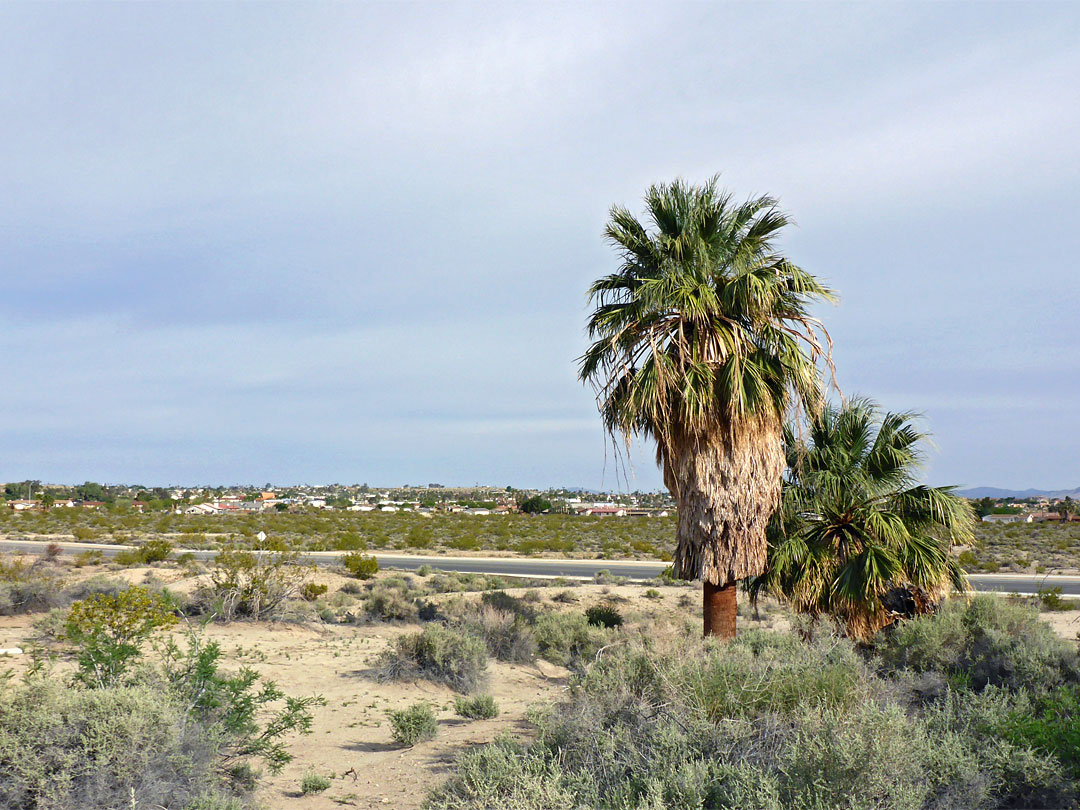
{"x": 1052, "y": 726}
{"x": 91, "y": 556}
{"x": 153, "y": 551}
{"x": 390, "y": 602}
{"x": 567, "y": 638}
{"x": 412, "y": 725}
{"x": 312, "y": 591}
{"x": 127, "y": 557}
{"x": 985, "y": 641}
{"x": 350, "y": 541}
{"x": 604, "y": 615}
{"x": 313, "y": 783}
{"x": 652, "y": 593}
{"x": 437, "y": 653}
{"x": 73, "y": 749}
{"x": 83, "y": 533}
{"x": 479, "y": 707}
{"x": 109, "y": 631}
{"x": 361, "y": 566}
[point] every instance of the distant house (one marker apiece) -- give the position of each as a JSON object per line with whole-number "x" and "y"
{"x": 22, "y": 506}
{"x": 606, "y": 511}
{"x": 202, "y": 509}
{"x": 1006, "y": 519}
{"x": 478, "y": 511}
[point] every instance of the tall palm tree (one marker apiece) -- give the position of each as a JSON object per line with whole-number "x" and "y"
{"x": 857, "y": 537}
{"x": 702, "y": 342}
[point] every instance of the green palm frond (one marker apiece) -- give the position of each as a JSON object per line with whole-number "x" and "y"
{"x": 854, "y": 523}
{"x": 704, "y": 322}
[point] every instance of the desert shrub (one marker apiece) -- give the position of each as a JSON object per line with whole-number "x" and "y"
{"x": 91, "y": 556}
{"x": 83, "y": 533}
{"x": 424, "y": 571}
{"x": 313, "y": 783}
{"x": 361, "y": 566}
{"x": 249, "y": 716}
{"x": 72, "y": 749}
{"x": 1051, "y": 726}
{"x": 507, "y": 636}
{"x": 350, "y": 541}
{"x": 390, "y": 602}
{"x": 312, "y": 591}
{"x": 28, "y": 587}
{"x": 605, "y": 577}
{"x": 127, "y": 557}
{"x": 766, "y": 721}
{"x": 652, "y": 593}
{"x": 98, "y": 584}
{"x": 479, "y": 707}
{"x": 985, "y": 641}
{"x": 604, "y": 615}
{"x": 1051, "y": 599}
{"x": 157, "y": 550}
{"x": 565, "y": 597}
{"x": 412, "y": 725}
{"x": 352, "y": 588}
{"x": 501, "y": 600}
{"x": 567, "y": 638}
{"x": 109, "y": 631}
{"x": 437, "y": 653}
{"x": 252, "y": 585}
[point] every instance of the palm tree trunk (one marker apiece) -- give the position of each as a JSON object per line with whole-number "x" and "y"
{"x": 719, "y": 609}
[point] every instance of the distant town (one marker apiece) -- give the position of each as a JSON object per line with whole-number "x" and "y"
{"x": 1037, "y": 509}
{"x": 425, "y": 500}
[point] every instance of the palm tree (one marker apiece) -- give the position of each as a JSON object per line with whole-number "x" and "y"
{"x": 857, "y": 537}
{"x": 702, "y": 342}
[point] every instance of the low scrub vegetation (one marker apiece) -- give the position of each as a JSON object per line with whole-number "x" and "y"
{"x": 967, "y": 708}
{"x": 440, "y": 654}
{"x": 478, "y": 707}
{"x": 414, "y": 724}
{"x": 125, "y": 731}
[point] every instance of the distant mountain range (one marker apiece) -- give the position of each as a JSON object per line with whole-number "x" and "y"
{"x": 994, "y": 492}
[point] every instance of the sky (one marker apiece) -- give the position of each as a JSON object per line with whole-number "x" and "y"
{"x": 316, "y": 243}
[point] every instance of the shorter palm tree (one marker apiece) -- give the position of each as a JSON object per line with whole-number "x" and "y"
{"x": 857, "y": 537}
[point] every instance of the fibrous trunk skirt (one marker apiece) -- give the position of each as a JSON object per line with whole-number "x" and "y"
{"x": 727, "y": 485}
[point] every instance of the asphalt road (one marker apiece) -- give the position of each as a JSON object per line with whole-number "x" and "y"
{"x": 546, "y": 568}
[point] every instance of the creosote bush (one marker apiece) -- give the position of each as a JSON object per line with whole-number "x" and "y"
{"x": 246, "y": 584}
{"x": 361, "y": 566}
{"x": 479, "y": 707}
{"x": 414, "y": 724}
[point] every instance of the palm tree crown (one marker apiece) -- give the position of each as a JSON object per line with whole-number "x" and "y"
{"x": 702, "y": 340}
{"x": 856, "y": 527}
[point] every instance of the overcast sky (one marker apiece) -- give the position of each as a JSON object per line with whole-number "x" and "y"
{"x": 351, "y": 242}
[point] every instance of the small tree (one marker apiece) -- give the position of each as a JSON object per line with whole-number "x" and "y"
{"x": 535, "y": 505}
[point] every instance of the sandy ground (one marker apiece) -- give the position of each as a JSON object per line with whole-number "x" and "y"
{"x": 351, "y": 742}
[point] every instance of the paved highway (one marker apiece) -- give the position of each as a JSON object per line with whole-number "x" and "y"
{"x": 546, "y": 568}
